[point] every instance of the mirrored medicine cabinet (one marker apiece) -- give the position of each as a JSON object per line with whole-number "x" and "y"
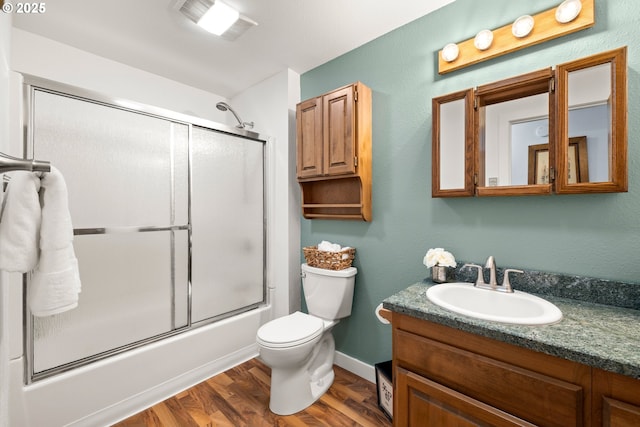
{"x": 561, "y": 131}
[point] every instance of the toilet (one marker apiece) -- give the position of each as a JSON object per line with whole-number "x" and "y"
{"x": 299, "y": 348}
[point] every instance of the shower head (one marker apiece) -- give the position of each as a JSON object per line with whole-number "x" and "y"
{"x": 223, "y": 106}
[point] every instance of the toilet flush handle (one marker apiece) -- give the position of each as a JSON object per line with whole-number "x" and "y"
{"x": 303, "y": 274}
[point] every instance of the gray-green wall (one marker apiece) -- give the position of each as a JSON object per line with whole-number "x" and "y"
{"x": 589, "y": 235}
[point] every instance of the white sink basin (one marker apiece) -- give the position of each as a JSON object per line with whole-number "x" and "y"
{"x": 518, "y": 308}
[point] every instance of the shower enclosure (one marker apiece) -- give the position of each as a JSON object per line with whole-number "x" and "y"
{"x": 169, "y": 223}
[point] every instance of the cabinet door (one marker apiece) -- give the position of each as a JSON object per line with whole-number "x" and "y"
{"x": 309, "y": 138}
{"x": 616, "y": 400}
{"x": 339, "y": 138}
{"x": 619, "y": 414}
{"x": 422, "y": 402}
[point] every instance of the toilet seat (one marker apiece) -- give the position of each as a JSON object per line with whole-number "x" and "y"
{"x": 289, "y": 331}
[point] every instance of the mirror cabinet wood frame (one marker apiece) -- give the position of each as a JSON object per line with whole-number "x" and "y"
{"x": 466, "y": 126}
{"x": 556, "y": 84}
{"x": 618, "y": 169}
{"x": 535, "y": 83}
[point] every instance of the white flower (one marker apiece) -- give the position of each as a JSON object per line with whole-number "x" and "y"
{"x": 439, "y": 256}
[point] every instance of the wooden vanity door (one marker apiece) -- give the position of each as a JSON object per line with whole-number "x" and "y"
{"x": 616, "y": 400}
{"x": 431, "y": 404}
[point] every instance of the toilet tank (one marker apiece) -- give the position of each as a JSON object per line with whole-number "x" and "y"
{"x": 328, "y": 293}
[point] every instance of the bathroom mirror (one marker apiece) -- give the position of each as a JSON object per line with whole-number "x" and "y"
{"x": 544, "y": 132}
{"x": 513, "y": 115}
{"x": 592, "y": 103}
{"x": 452, "y": 145}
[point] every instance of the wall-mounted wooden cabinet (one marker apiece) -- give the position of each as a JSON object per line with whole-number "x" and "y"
{"x": 334, "y": 154}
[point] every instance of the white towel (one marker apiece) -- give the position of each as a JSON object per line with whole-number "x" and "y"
{"x": 55, "y": 283}
{"x": 326, "y": 246}
{"x": 40, "y": 239}
{"x": 20, "y": 223}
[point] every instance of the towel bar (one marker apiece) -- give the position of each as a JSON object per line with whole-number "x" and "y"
{"x": 9, "y": 163}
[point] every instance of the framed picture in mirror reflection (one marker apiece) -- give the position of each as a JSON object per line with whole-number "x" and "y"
{"x": 578, "y": 167}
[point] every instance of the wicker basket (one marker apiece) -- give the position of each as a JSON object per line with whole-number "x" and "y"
{"x": 329, "y": 260}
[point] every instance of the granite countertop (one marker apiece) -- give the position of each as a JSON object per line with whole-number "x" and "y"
{"x": 603, "y": 336}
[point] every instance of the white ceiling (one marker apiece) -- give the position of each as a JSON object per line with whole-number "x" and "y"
{"x": 153, "y": 36}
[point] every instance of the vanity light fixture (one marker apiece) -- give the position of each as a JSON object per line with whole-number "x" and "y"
{"x": 568, "y": 11}
{"x": 450, "y": 52}
{"x": 519, "y": 34}
{"x": 215, "y": 17}
{"x": 522, "y": 26}
{"x": 483, "y": 40}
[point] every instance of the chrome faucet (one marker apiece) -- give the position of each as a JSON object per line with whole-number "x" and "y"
{"x": 493, "y": 283}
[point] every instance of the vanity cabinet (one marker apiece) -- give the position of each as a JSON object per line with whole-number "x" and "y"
{"x": 447, "y": 373}
{"x": 445, "y": 376}
{"x": 333, "y": 150}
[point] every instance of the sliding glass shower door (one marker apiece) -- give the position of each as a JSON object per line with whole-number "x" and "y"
{"x": 168, "y": 220}
{"x": 228, "y": 222}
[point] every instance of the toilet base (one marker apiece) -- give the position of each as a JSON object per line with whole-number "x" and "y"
{"x": 320, "y": 387}
{"x": 294, "y": 389}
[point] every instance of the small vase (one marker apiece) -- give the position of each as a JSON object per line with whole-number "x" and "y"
{"x": 440, "y": 274}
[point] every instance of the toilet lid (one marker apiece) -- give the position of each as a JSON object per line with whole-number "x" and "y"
{"x": 291, "y": 330}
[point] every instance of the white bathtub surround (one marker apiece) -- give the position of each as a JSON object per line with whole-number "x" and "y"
{"x": 102, "y": 396}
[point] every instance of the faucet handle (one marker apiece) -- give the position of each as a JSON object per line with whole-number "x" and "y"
{"x": 480, "y": 279}
{"x": 505, "y": 281}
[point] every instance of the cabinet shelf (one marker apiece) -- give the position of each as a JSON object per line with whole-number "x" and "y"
{"x": 332, "y": 205}
{"x": 344, "y": 198}
{"x": 333, "y": 216}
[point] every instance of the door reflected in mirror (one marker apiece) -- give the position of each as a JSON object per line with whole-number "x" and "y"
{"x": 590, "y": 116}
{"x": 510, "y": 128}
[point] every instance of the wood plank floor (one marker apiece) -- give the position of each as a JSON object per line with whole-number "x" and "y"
{"x": 240, "y": 397}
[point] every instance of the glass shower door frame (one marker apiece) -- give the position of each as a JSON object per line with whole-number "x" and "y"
{"x": 33, "y": 84}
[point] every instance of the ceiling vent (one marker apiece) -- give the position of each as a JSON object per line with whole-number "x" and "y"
{"x": 216, "y": 17}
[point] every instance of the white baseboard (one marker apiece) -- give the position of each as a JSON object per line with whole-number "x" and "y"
{"x": 356, "y": 366}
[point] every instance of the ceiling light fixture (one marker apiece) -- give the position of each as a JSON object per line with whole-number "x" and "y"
{"x": 219, "y": 18}
{"x": 215, "y": 17}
